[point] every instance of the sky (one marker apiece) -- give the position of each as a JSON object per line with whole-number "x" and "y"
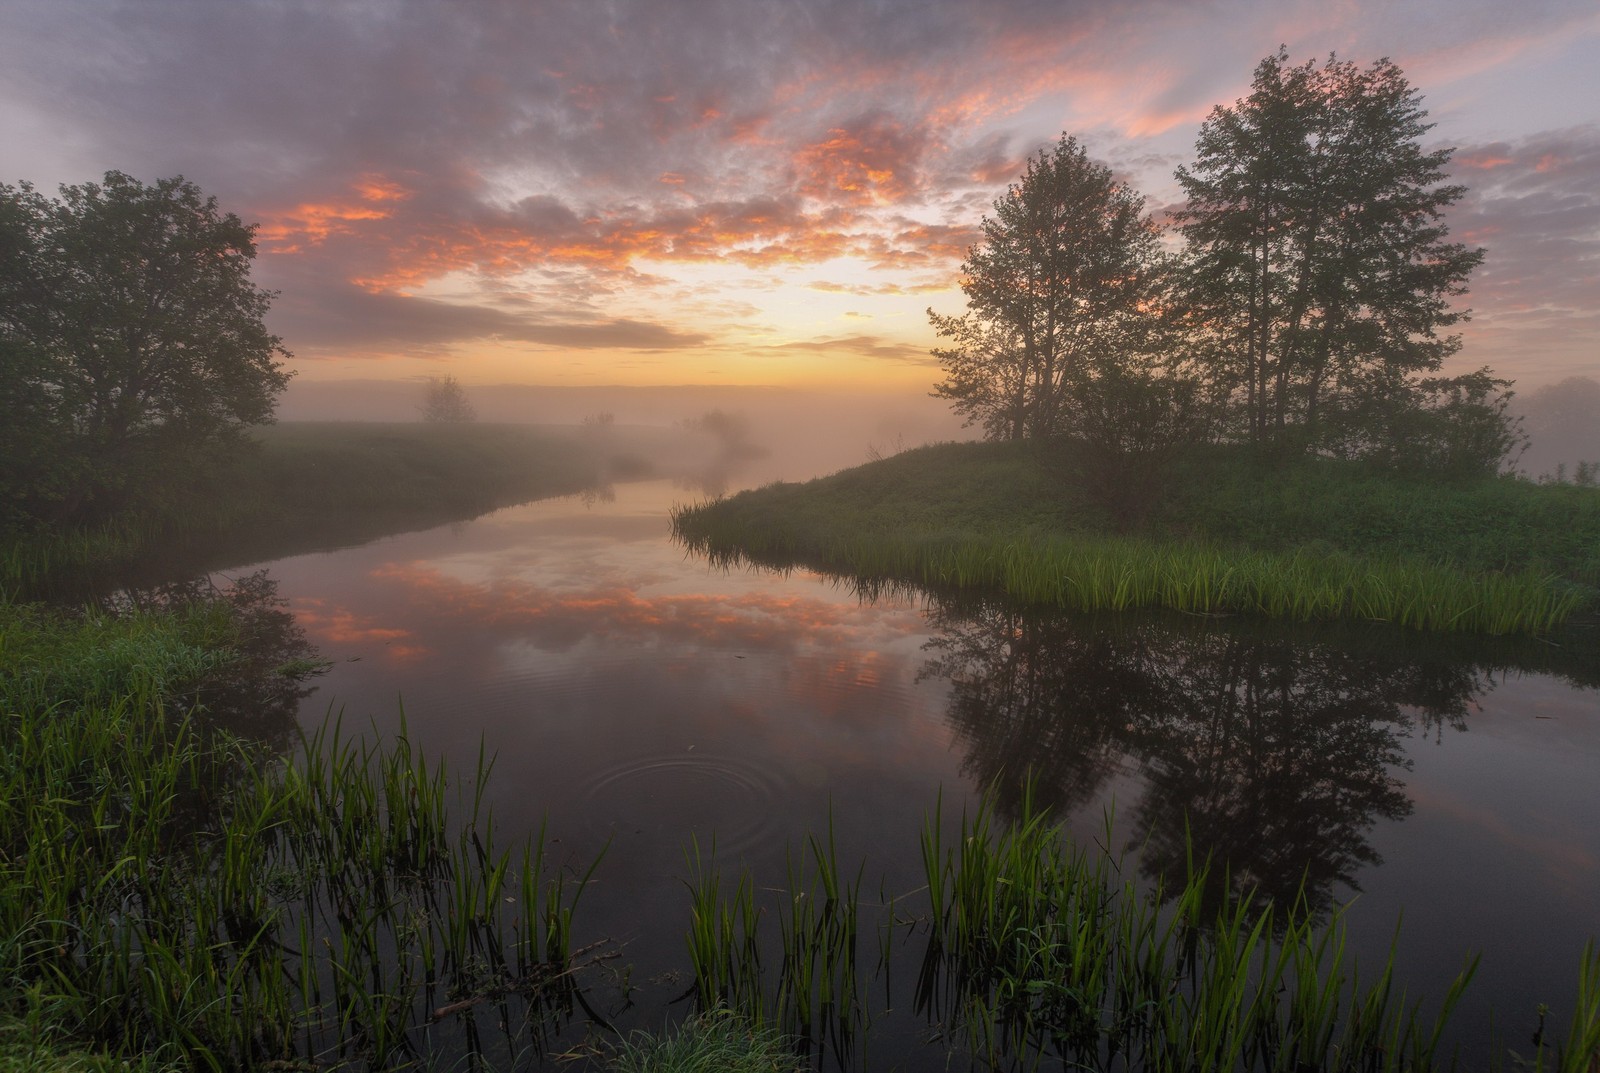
{"x": 773, "y": 192}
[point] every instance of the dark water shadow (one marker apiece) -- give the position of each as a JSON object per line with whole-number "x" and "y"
{"x": 1274, "y": 751}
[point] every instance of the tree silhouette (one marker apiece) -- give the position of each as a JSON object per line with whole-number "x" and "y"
{"x": 1059, "y": 297}
{"x": 1320, "y": 270}
{"x": 131, "y": 340}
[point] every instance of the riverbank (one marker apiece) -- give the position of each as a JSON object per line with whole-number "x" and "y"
{"x": 192, "y": 886}
{"x": 188, "y": 881}
{"x": 1219, "y": 533}
{"x": 308, "y": 486}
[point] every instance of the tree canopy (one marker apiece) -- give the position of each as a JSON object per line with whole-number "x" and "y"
{"x": 1059, "y": 293}
{"x": 1309, "y": 309}
{"x": 1319, "y": 267}
{"x": 130, "y": 334}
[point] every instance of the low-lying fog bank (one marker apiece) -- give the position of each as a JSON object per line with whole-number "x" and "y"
{"x": 811, "y": 432}
{"x": 803, "y": 433}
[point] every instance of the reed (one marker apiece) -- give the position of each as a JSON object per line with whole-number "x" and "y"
{"x": 1039, "y": 952}
{"x": 1107, "y": 573}
{"x": 1039, "y": 948}
{"x": 170, "y": 891}
{"x": 811, "y": 935}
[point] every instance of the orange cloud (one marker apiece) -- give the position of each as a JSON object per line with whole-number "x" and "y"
{"x": 311, "y": 223}
{"x": 751, "y": 620}
{"x": 1483, "y": 160}
{"x": 873, "y": 161}
{"x": 839, "y": 646}
{"x": 339, "y": 626}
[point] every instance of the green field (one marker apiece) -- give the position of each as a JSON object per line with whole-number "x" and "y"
{"x": 1218, "y": 532}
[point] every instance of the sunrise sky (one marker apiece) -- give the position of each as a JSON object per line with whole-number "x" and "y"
{"x": 748, "y": 191}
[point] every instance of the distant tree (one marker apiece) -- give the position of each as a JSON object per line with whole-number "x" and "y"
{"x": 131, "y": 340}
{"x": 1459, "y": 426}
{"x": 1061, "y": 292}
{"x": 446, "y": 401}
{"x": 1319, "y": 270}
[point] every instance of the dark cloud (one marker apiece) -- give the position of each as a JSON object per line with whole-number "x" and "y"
{"x": 341, "y": 317}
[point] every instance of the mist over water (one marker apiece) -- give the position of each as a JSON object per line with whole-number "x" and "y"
{"x": 805, "y": 433}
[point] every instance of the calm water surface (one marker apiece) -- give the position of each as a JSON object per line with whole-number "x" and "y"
{"x": 636, "y": 700}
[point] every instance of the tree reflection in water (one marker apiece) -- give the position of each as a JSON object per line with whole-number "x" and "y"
{"x": 256, "y": 693}
{"x": 1273, "y": 756}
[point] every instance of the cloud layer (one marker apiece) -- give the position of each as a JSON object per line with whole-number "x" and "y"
{"x": 736, "y": 178}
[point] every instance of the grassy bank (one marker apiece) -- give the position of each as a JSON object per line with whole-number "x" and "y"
{"x": 179, "y": 893}
{"x": 304, "y": 487}
{"x": 1313, "y": 540}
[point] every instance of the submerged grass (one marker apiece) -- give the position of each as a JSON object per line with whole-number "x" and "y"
{"x": 994, "y": 518}
{"x": 1040, "y": 948}
{"x": 172, "y": 893}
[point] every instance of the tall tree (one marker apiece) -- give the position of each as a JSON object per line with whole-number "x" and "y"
{"x": 1059, "y": 290}
{"x": 1320, "y": 274}
{"x": 130, "y": 333}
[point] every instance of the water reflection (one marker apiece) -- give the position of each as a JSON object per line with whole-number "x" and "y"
{"x": 1275, "y": 756}
{"x": 256, "y": 693}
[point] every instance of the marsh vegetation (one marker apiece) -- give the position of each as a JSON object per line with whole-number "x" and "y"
{"x": 204, "y": 886}
{"x": 1225, "y": 533}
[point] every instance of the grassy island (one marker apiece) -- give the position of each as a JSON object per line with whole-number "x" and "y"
{"x": 1221, "y": 532}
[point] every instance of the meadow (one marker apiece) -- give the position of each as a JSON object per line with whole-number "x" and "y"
{"x": 1220, "y": 533}
{"x": 305, "y": 486}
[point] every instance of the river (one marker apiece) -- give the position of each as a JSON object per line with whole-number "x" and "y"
{"x": 639, "y": 703}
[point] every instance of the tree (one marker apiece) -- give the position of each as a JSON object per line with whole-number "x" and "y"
{"x": 130, "y": 335}
{"x": 446, "y": 401}
{"x": 1319, "y": 271}
{"x": 1061, "y": 289}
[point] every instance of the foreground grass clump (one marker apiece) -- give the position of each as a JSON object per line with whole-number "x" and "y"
{"x": 307, "y": 486}
{"x": 1042, "y": 954}
{"x": 717, "y": 1041}
{"x": 174, "y": 893}
{"x": 1318, "y": 541}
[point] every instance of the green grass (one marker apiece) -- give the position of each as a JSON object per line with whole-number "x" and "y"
{"x": 31, "y": 1047}
{"x": 173, "y": 893}
{"x": 1315, "y": 541}
{"x": 717, "y": 1041}
{"x": 302, "y": 487}
{"x": 1038, "y": 953}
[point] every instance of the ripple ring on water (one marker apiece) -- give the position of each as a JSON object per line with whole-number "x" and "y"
{"x": 703, "y": 795}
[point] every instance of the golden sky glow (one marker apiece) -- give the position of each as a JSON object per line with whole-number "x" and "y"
{"x": 725, "y": 191}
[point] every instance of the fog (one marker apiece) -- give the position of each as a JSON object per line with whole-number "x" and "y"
{"x": 1562, "y": 423}
{"x": 780, "y": 433}
{"x": 794, "y": 434}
